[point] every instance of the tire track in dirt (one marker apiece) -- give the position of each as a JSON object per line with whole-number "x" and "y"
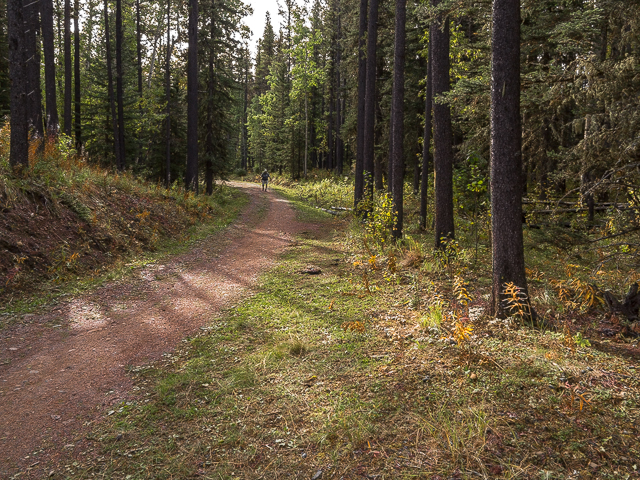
{"x": 61, "y": 369}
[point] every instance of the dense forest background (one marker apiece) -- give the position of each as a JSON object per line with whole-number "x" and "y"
{"x": 294, "y": 101}
{"x": 382, "y": 93}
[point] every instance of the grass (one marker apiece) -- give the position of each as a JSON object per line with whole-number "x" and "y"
{"x": 335, "y": 373}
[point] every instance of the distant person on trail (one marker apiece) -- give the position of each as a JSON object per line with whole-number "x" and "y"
{"x": 265, "y": 180}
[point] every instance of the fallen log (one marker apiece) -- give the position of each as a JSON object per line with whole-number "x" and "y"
{"x": 575, "y": 210}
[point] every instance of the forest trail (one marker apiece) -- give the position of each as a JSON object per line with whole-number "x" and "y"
{"x": 63, "y": 369}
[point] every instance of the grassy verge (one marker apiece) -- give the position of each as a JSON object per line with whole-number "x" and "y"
{"x": 358, "y": 376}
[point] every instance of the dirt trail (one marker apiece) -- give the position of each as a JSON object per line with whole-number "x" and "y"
{"x": 60, "y": 370}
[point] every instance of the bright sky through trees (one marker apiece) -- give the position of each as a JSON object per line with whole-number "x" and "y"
{"x": 256, "y": 21}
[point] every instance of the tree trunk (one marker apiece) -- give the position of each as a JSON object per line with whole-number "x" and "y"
{"x": 46, "y": 16}
{"x": 76, "y": 100}
{"x": 377, "y": 162}
{"x": 442, "y": 133}
{"x": 339, "y": 90}
{"x": 68, "y": 69}
{"x": 362, "y": 84}
{"x": 168, "y": 99}
{"x": 112, "y": 102}
{"x": 191, "y": 179}
{"x": 32, "y": 55}
{"x": 506, "y": 156}
{"x": 426, "y": 143}
{"x": 139, "y": 55}
{"x": 209, "y": 136}
{"x": 306, "y": 131}
{"x": 138, "y": 47}
{"x": 330, "y": 122}
{"x": 19, "y": 147}
{"x": 245, "y": 106}
{"x": 397, "y": 113}
{"x": 119, "y": 86}
{"x": 154, "y": 51}
{"x": 370, "y": 100}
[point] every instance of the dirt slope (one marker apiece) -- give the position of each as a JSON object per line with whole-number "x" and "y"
{"x": 60, "y": 370}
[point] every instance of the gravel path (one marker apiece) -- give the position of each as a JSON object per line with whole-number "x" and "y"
{"x": 62, "y": 369}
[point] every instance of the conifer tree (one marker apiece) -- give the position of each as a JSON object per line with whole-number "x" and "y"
{"x": 442, "y": 133}
{"x": 19, "y": 149}
{"x": 397, "y": 114}
{"x": 48, "y": 47}
{"x": 506, "y": 154}
{"x": 191, "y": 179}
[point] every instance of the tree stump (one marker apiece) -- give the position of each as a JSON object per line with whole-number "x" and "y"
{"x": 630, "y": 307}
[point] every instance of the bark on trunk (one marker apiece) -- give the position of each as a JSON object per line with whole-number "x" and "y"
{"x": 32, "y": 55}
{"x": 19, "y": 149}
{"x": 377, "y": 161}
{"x": 442, "y": 133}
{"x": 119, "y": 86}
{"x": 138, "y": 47}
{"x": 46, "y": 17}
{"x": 68, "y": 69}
{"x": 245, "y": 106}
{"x": 397, "y": 113}
{"x": 339, "y": 111}
{"x": 506, "y": 156}
{"x": 191, "y": 179}
{"x": 112, "y": 102}
{"x": 76, "y": 78}
{"x": 370, "y": 100}
{"x": 362, "y": 84}
{"x": 330, "y": 120}
{"x": 209, "y": 137}
{"x": 426, "y": 144}
{"x": 168, "y": 99}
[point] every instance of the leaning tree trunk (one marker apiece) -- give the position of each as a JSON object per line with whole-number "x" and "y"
{"x": 68, "y": 71}
{"x": 362, "y": 84}
{"x": 397, "y": 113}
{"x": 426, "y": 144}
{"x": 442, "y": 133}
{"x": 46, "y": 16}
{"x": 370, "y": 101}
{"x": 191, "y": 180}
{"x": 506, "y": 159}
{"x": 19, "y": 148}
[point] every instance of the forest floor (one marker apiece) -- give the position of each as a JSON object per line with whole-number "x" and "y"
{"x": 65, "y": 366}
{"x": 322, "y": 363}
